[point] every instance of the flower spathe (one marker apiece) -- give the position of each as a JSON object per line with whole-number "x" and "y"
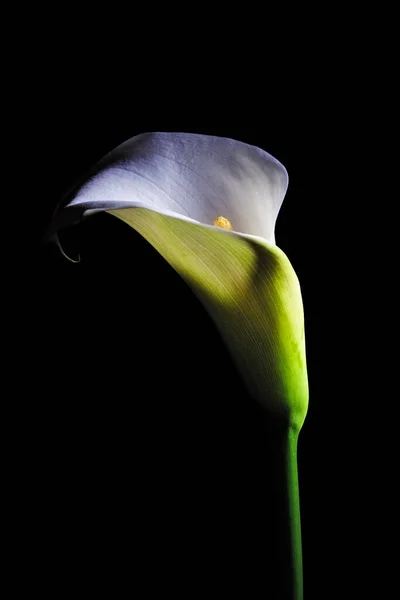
{"x": 190, "y": 176}
{"x": 173, "y": 188}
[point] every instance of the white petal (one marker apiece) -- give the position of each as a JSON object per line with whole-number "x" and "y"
{"x": 190, "y": 176}
{"x": 170, "y": 188}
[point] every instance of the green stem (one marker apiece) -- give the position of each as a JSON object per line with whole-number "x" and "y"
{"x": 284, "y": 552}
{"x": 293, "y": 507}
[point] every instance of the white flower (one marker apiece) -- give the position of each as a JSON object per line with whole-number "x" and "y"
{"x": 171, "y": 188}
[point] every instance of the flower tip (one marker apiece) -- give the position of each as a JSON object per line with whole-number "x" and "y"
{"x": 223, "y": 223}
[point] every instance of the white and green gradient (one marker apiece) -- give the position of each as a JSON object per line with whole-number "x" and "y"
{"x": 252, "y": 294}
{"x": 170, "y": 188}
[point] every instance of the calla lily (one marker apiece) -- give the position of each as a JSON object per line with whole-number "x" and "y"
{"x": 209, "y": 206}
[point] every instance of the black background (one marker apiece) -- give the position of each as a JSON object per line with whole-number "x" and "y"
{"x": 140, "y": 431}
{"x": 74, "y": 456}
